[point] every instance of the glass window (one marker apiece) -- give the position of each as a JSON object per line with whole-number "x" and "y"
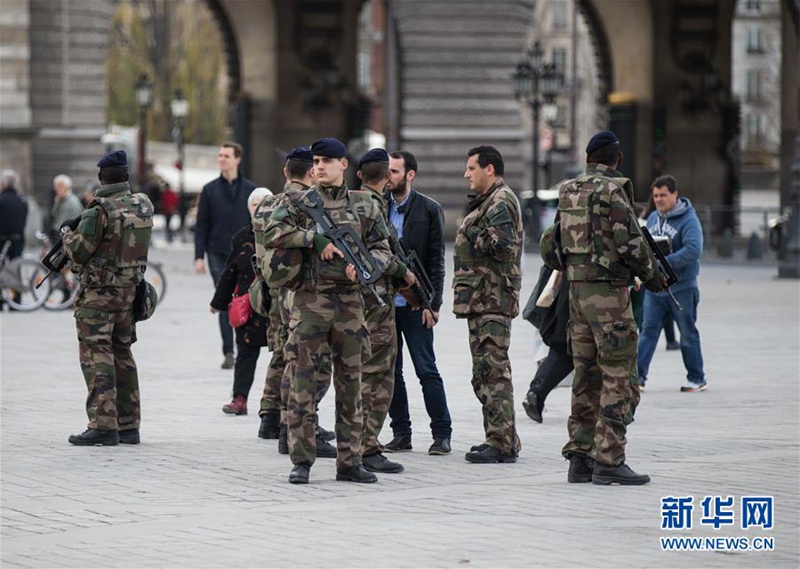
{"x": 753, "y": 5}
{"x": 755, "y": 39}
{"x": 755, "y": 84}
{"x": 560, "y": 59}
{"x": 559, "y": 14}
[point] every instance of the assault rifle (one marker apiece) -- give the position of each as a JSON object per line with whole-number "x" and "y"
{"x": 367, "y": 268}
{"x": 56, "y": 258}
{"x": 663, "y": 265}
{"x": 421, "y": 292}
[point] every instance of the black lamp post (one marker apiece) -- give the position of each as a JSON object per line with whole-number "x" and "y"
{"x": 180, "y": 109}
{"x": 144, "y": 98}
{"x": 536, "y": 82}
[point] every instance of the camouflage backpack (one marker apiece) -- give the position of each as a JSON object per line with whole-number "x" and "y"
{"x": 278, "y": 268}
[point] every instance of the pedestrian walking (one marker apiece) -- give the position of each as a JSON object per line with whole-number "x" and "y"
{"x": 235, "y": 281}
{"x": 221, "y": 212}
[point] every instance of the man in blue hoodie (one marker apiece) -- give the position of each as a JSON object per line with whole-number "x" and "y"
{"x": 675, "y": 219}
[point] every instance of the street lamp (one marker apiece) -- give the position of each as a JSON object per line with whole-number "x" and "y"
{"x": 536, "y": 82}
{"x": 144, "y": 98}
{"x": 180, "y": 109}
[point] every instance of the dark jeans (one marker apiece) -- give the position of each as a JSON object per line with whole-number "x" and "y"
{"x": 245, "y": 369}
{"x": 552, "y": 371}
{"x": 420, "y": 345}
{"x": 216, "y": 266}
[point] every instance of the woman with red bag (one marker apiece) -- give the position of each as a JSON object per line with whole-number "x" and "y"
{"x": 252, "y": 335}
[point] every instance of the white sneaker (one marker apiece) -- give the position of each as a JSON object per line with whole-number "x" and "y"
{"x": 694, "y": 387}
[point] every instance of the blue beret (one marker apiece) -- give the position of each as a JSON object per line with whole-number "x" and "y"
{"x": 374, "y": 155}
{"x": 115, "y": 159}
{"x": 301, "y": 153}
{"x": 600, "y": 140}
{"x": 329, "y": 148}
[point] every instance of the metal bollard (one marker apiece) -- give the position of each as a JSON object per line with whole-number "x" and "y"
{"x": 725, "y": 248}
{"x": 754, "y": 250}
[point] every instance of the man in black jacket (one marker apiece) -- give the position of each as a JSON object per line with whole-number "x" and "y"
{"x": 221, "y": 212}
{"x": 13, "y": 214}
{"x": 419, "y": 222}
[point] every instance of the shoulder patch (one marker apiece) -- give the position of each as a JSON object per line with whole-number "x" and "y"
{"x": 88, "y": 223}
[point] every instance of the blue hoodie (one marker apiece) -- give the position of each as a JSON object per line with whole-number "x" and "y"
{"x": 682, "y": 226}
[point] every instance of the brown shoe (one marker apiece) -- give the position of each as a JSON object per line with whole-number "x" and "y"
{"x": 236, "y": 407}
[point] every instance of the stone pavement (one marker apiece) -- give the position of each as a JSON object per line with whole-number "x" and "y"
{"x": 203, "y": 491}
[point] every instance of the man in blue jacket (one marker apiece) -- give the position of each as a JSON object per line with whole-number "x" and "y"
{"x": 676, "y": 220}
{"x": 221, "y": 212}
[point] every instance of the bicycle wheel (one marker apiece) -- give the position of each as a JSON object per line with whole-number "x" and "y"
{"x": 19, "y": 284}
{"x": 63, "y": 291}
{"x": 155, "y": 276}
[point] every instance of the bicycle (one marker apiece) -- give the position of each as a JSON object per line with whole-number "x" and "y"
{"x": 156, "y": 276}
{"x": 18, "y": 280}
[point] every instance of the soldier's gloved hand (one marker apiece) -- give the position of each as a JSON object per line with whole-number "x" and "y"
{"x": 657, "y": 284}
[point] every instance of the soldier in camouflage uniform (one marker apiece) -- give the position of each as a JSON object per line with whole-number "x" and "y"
{"x": 108, "y": 251}
{"x": 299, "y": 176}
{"x": 377, "y": 373}
{"x": 597, "y": 240}
{"x": 486, "y": 284}
{"x": 327, "y": 311}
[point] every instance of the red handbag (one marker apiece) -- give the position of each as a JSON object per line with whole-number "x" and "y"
{"x": 239, "y": 310}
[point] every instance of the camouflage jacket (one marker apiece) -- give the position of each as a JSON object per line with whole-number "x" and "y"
{"x": 395, "y": 269}
{"x": 109, "y": 248}
{"x": 600, "y": 238}
{"x": 488, "y": 249}
{"x": 260, "y": 217}
{"x": 289, "y": 227}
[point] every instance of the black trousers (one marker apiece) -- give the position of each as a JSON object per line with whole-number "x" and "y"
{"x": 552, "y": 371}
{"x": 244, "y": 369}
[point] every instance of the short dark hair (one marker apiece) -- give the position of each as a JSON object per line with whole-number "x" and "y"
{"x": 373, "y": 172}
{"x": 409, "y": 161}
{"x": 668, "y": 181}
{"x": 298, "y": 168}
{"x": 113, "y": 175}
{"x": 488, "y": 155}
{"x": 237, "y": 148}
{"x": 606, "y": 155}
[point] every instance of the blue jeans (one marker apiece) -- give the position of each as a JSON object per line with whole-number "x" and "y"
{"x": 655, "y": 307}
{"x": 216, "y": 266}
{"x": 420, "y": 345}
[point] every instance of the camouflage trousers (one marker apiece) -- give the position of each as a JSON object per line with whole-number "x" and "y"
{"x": 489, "y": 339}
{"x": 377, "y": 373}
{"x": 104, "y": 346}
{"x": 322, "y": 323}
{"x": 605, "y": 391}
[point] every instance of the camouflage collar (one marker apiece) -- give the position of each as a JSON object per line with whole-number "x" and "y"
{"x": 295, "y": 185}
{"x": 334, "y": 192}
{"x": 112, "y": 189}
{"x": 477, "y": 199}
{"x": 603, "y": 170}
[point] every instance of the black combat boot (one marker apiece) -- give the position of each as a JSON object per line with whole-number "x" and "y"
{"x": 580, "y": 468}
{"x": 487, "y": 454}
{"x": 91, "y": 437}
{"x": 129, "y": 436}
{"x": 325, "y": 434}
{"x": 620, "y": 474}
{"x": 355, "y": 474}
{"x": 379, "y": 463}
{"x": 299, "y": 474}
{"x": 325, "y": 449}
{"x": 270, "y": 425}
{"x": 283, "y": 440}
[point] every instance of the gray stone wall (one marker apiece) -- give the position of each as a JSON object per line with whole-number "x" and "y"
{"x": 68, "y": 45}
{"x": 455, "y": 90}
